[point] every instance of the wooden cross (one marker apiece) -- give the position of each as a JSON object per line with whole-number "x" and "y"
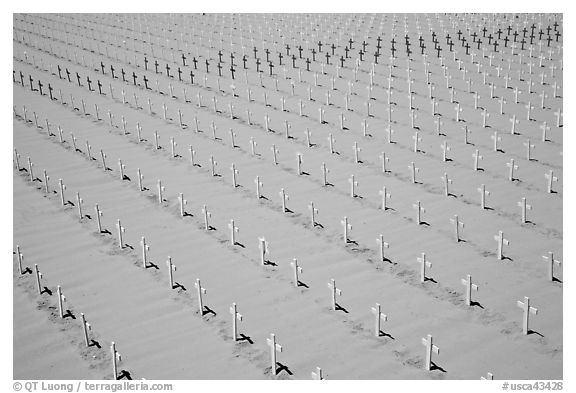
{"x": 501, "y": 243}
{"x": 551, "y": 178}
{"x": 457, "y": 225}
{"x": 413, "y": 171}
{"x": 347, "y": 227}
{"x": 469, "y": 288}
{"x": 423, "y": 265}
{"x": 419, "y": 210}
{"x": 430, "y": 347}
{"x": 549, "y": 259}
{"x": 85, "y": 327}
{"x": 317, "y": 375}
{"x": 383, "y": 245}
{"x": 207, "y": 215}
{"x": 116, "y": 357}
{"x": 296, "y": 270}
{"x": 525, "y": 306}
{"x": 333, "y": 292}
{"x": 236, "y": 316}
{"x": 263, "y": 246}
{"x": 61, "y": 299}
{"x": 200, "y": 291}
{"x": 512, "y": 167}
{"x": 274, "y": 347}
{"x": 379, "y": 317}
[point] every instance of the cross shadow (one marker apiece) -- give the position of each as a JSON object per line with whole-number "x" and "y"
{"x": 286, "y": 210}
{"x": 267, "y": 262}
{"x": 94, "y": 343}
{"x": 345, "y": 128}
{"x": 476, "y": 304}
{"x": 46, "y": 290}
{"x": 434, "y": 366}
{"x": 488, "y": 208}
{"x": 239, "y": 244}
{"x": 317, "y": 224}
{"x": 504, "y": 258}
{"x": 430, "y": 279}
{"x": 348, "y": 241}
{"x": 70, "y": 203}
{"x": 305, "y": 173}
{"x": 424, "y": 223}
{"x": 150, "y": 264}
{"x": 340, "y": 308}
{"x": 384, "y": 334}
{"x": 27, "y": 270}
{"x": 281, "y": 367}
{"x": 68, "y": 314}
{"x": 88, "y": 216}
{"x": 211, "y": 228}
{"x": 208, "y": 310}
{"x": 106, "y": 231}
{"x": 128, "y": 246}
{"x": 530, "y": 331}
{"x": 126, "y": 178}
{"x": 186, "y": 214}
{"x": 177, "y": 285}
{"x": 500, "y": 150}
{"x": 301, "y": 284}
{"x": 124, "y": 374}
{"x": 243, "y": 337}
{"x": 263, "y": 197}
{"x": 554, "y": 279}
{"x": 448, "y": 159}
{"x": 329, "y": 184}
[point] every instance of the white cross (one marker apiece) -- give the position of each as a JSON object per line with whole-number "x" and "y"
{"x": 121, "y": 231}
{"x": 61, "y": 298}
{"x": 234, "y": 173}
{"x": 413, "y": 171}
{"x": 353, "y": 185}
{"x": 232, "y": 141}
{"x": 423, "y": 265}
{"x": 445, "y": 148}
{"x": 524, "y": 206}
{"x": 62, "y": 188}
{"x": 160, "y": 191}
{"x": 259, "y": 185}
{"x": 347, "y": 227}
{"x": 236, "y": 316}
{"x": 263, "y": 246}
{"x": 297, "y": 270}
{"x": 183, "y": 202}
{"x": 200, "y": 291}
{"x": 501, "y": 243}
{"x": 274, "y": 348}
{"x": 384, "y": 160}
{"x": 512, "y": 167}
{"x": 457, "y": 225}
{"x": 383, "y": 245}
{"x": 551, "y": 178}
{"x": 379, "y": 316}
{"x": 419, "y": 210}
{"x": 489, "y": 376}
{"x": 528, "y": 107}
{"x": 145, "y": 249}
{"x": 207, "y": 215}
{"x": 318, "y": 374}
{"x": 469, "y": 288}
{"x": 544, "y": 127}
{"x": 79, "y": 200}
{"x": 356, "y": 152}
{"x": 430, "y": 347}
{"x": 558, "y": 114}
{"x": 284, "y": 198}
{"x": 213, "y": 164}
{"x": 525, "y": 306}
{"x": 313, "y": 212}
{"x": 85, "y": 327}
{"x": 233, "y": 231}
{"x": 171, "y": 269}
{"x": 549, "y": 259}
{"x": 116, "y": 357}
{"x": 333, "y": 292}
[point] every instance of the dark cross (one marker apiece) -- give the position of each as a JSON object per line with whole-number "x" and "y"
{"x": 255, "y": 52}
{"x": 540, "y": 34}
{"x": 134, "y": 77}
{"x": 271, "y": 66}
{"x": 293, "y": 61}
{"x": 479, "y": 42}
{"x": 258, "y": 65}
{"x": 378, "y": 40}
{"x": 361, "y": 55}
{"x": 459, "y": 34}
{"x": 219, "y": 66}
{"x": 31, "y": 82}
{"x": 350, "y": 41}
{"x": 280, "y": 58}
{"x": 183, "y": 60}
{"x": 499, "y": 33}
{"x": 533, "y": 27}
{"x": 421, "y": 40}
{"x": 532, "y": 36}
{"x": 244, "y": 61}
{"x": 231, "y": 59}
{"x": 123, "y": 75}
{"x": 433, "y": 36}
{"x": 393, "y": 50}
{"x": 179, "y": 75}
{"x": 364, "y": 46}
{"x": 191, "y": 77}
{"x": 112, "y": 71}
{"x": 307, "y": 64}
{"x": 509, "y": 29}
{"x": 523, "y": 42}
{"x": 393, "y": 42}
{"x": 341, "y": 61}
{"x": 496, "y": 46}
{"x": 146, "y": 82}
{"x": 50, "y": 90}
{"x": 145, "y": 63}
{"x": 484, "y": 30}
{"x": 168, "y": 70}
{"x": 232, "y": 70}
{"x": 219, "y": 56}
{"x": 156, "y": 65}
{"x": 439, "y": 49}
{"x": 68, "y": 75}
{"x": 327, "y": 58}
{"x": 549, "y": 39}
{"x": 451, "y": 45}
{"x": 59, "y": 72}
{"x": 548, "y": 29}
{"x": 474, "y": 37}
{"x": 376, "y": 54}
{"x": 467, "y": 48}
{"x": 40, "y": 87}
{"x": 100, "y": 86}
{"x": 21, "y": 78}
{"x": 422, "y": 49}
{"x": 524, "y": 31}
{"x": 207, "y": 65}
{"x": 319, "y": 46}
{"x": 102, "y": 67}
{"x": 557, "y": 35}
{"x": 555, "y": 25}
{"x": 87, "y": 81}
{"x": 333, "y": 47}
{"x": 287, "y": 50}
{"x": 408, "y": 38}
{"x": 313, "y": 54}
{"x": 267, "y": 55}
{"x": 490, "y": 38}
{"x": 346, "y": 51}
{"x": 408, "y": 51}
{"x": 506, "y": 42}
{"x": 300, "y": 51}
{"x": 195, "y": 63}
{"x": 515, "y": 35}
{"x": 78, "y": 79}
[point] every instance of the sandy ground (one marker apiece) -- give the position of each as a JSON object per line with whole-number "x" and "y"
{"x": 160, "y": 331}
